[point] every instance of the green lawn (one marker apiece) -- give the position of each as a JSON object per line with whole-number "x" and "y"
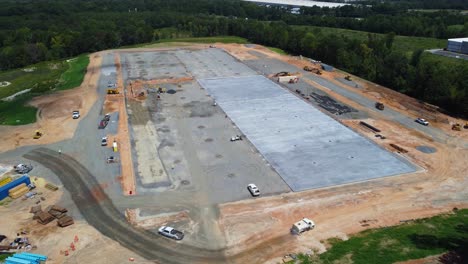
{"x": 419, "y": 239}
{"x": 74, "y": 76}
{"x": 28, "y": 77}
{"x": 278, "y": 50}
{"x": 402, "y": 43}
{"x": 41, "y": 78}
{"x": 5, "y": 256}
{"x": 182, "y": 41}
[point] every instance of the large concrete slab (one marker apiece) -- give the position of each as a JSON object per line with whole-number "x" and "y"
{"x": 308, "y": 148}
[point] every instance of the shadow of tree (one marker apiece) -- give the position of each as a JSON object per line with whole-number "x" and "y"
{"x": 457, "y": 246}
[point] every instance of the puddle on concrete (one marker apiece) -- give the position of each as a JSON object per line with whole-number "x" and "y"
{"x": 426, "y": 149}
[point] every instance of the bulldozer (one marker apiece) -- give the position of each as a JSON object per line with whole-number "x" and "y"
{"x": 314, "y": 70}
{"x": 161, "y": 90}
{"x": 112, "y": 91}
{"x": 380, "y": 106}
{"x": 348, "y": 78}
{"x": 37, "y": 135}
{"x": 456, "y": 127}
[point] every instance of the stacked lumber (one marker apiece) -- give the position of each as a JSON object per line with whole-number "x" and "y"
{"x": 57, "y": 211}
{"x": 51, "y": 187}
{"x": 50, "y": 213}
{"x": 18, "y": 191}
{"x": 5, "y": 180}
{"x": 65, "y": 221}
{"x": 44, "y": 217}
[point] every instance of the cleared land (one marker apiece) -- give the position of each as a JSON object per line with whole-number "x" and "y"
{"x": 205, "y": 193}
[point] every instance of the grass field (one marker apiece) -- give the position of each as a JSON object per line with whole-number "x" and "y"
{"x": 401, "y": 43}
{"x": 41, "y": 78}
{"x": 419, "y": 239}
{"x": 180, "y": 41}
{"x": 278, "y": 50}
{"x": 74, "y": 76}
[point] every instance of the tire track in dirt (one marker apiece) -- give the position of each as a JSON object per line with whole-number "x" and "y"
{"x": 100, "y": 212}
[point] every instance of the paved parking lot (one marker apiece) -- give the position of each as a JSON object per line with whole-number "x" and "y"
{"x": 308, "y": 148}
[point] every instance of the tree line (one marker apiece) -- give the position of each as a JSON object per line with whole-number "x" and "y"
{"x": 36, "y": 30}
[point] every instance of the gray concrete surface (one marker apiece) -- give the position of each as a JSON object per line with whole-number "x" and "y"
{"x": 306, "y": 147}
{"x": 268, "y": 66}
{"x": 449, "y": 54}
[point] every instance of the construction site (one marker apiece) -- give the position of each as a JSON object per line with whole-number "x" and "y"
{"x": 174, "y": 136}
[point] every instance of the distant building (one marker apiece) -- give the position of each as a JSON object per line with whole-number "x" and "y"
{"x": 459, "y": 45}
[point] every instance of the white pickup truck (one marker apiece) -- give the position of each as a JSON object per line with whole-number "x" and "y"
{"x": 170, "y": 233}
{"x": 304, "y": 225}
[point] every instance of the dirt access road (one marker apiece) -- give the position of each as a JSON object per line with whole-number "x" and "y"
{"x": 257, "y": 230}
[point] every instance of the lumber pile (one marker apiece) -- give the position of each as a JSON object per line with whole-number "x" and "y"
{"x": 5, "y": 180}
{"x": 65, "y": 221}
{"x": 44, "y": 217}
{"x": 400, "y": 149}
{"x": 51, "y": 213}
{"x": 18, "y": 191}
{"x": 51, "y": 187}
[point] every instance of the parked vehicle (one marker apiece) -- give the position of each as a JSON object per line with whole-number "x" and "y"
{"x": 236, "y": 138}
{"x": 104, "y": 141}
{"x": 76, "y": 114}
{"x": 422, "y": 121}
{"x": 253, "y": 189}
{"x": 170, "y": 233}
{"x": 103, "y": 124}
{"x": 304, "y": 225}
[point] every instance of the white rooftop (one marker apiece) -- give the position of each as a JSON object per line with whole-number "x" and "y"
{"x": 459, "y": 39}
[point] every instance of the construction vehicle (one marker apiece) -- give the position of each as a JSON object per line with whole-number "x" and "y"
{"x": 280, "y": 74}
{"x": 112, "y": 91}
{"x": 456, "y": 127}
{"x": 465, "y": 126}
{"x": 23, "y": 168}
{"x": 38, "y": 134}
{"x": 348, "y": 78}
{"x": 161, "y": 90}
{"x": 314, "y": 70}
{"x": 379, "y": 106}
{"x": 304, "y": 225}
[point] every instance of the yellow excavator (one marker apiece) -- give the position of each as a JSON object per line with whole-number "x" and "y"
{"x": 37, "y": 135}
{"x": 456, "y": 127}
{"x": 112, "y": 91}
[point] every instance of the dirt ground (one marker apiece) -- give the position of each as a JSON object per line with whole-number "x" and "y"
{"x": 54, "y": 117}
{"x": 53, "y": 241}
{"x": 258, "y": 230}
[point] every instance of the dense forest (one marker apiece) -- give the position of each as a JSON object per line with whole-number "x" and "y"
{"x": 36, "y": 30}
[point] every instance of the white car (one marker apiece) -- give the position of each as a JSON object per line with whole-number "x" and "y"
{"x": 236, "y": 138}
{"x": 253, "y": 189}
{"x": 422, "y": 121}
{"x": 170, "y": 233}
{"x": 104, "y": 141}
{"x": 76, "y": 114}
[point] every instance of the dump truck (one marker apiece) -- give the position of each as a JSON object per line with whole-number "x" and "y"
{"x": 112, "y": 91}
{"x": 302, "y": 226}
{"x": 37, "y": 134}
{"x": 379, "y": 106}
{"x": 456, "y": 127}
{"x": 314, "y": 70}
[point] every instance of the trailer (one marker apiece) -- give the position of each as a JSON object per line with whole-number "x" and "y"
{"x": 302, "y": 226}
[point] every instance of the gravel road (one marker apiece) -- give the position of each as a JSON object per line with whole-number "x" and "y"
{"x": 100, "y": 212}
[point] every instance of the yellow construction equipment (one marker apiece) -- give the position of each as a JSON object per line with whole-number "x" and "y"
{"x": 465, "y": 126}
{"x": 348, "y": 77}
{"x": 456, "y": 127}
{"x": 37, "y": 134}
{"x": 161, "y": 90}
{"x": 314, "y": 70}
{"x": 379, "y": 106}
{"x": 112, "y": 91}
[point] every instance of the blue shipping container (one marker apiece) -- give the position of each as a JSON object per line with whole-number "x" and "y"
{"x": 5, "y": 188}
